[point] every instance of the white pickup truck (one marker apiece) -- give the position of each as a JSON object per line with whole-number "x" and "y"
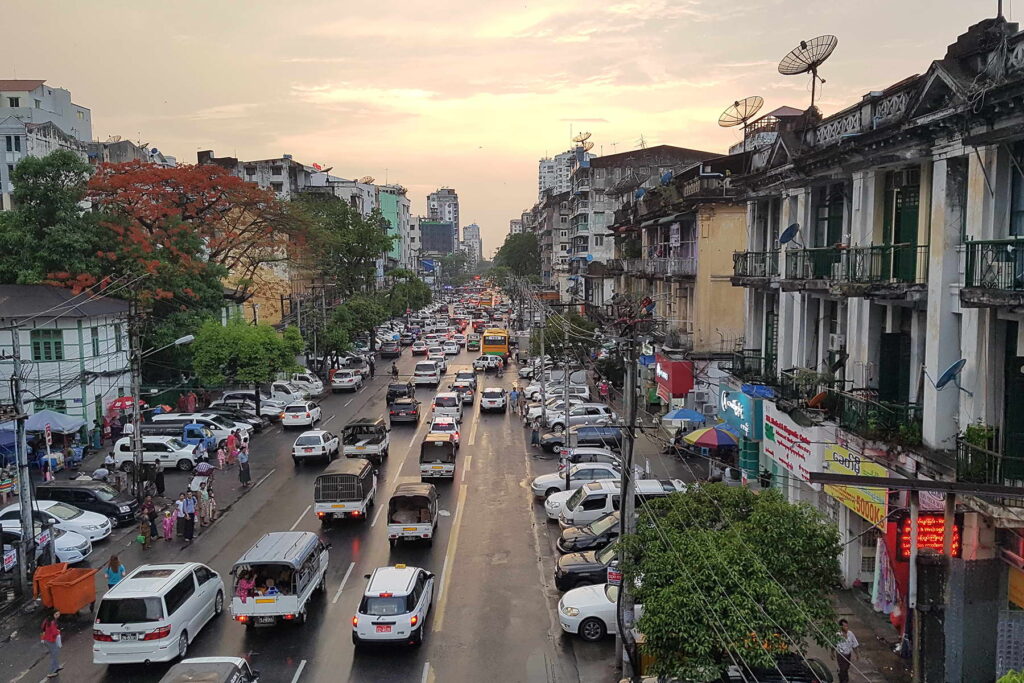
{"x": 366, "y": 438}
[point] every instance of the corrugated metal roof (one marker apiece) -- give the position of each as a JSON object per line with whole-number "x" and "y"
{"x": 23, "y": 301}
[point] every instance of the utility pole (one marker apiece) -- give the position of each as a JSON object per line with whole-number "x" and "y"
{"x": 627, "y": 519}
{"x": 26, "y": 547}
{"x": 565, "y": 396}
{"x": 135, "y": 346}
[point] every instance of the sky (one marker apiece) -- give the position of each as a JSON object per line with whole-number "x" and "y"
{"x": 467, "y": 94}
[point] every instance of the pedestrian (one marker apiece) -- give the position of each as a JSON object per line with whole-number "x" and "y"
{"x": 110, "y": 462}
{"x": 412, "y": 389}
{"x": 513, "y": 397}
{"x": 143, "y": 536}
{"x": 373, "y": 369}
{"x": 168, "y": 525}
{"x": 114, "y": 572}
{"x": 213, "y": 506}
{"x": 846, "y": 650}
{"x": 394, "y": 371}
{"x": 158, "y": 480}
{"x": 51, "y": 639}
{"x": 179, "y": 515}
{"x": 521, "y": 408}
{"x": 128, "y": 429}
{"x": 149, "y": 514}
{"x": 204, "y": 505}
{"x": 243, "y": 467}
{"x": 604, "y": 389}
{"x": 190, "y": 516}
{"x": 232, "y": 445}
{"x": 107, "y": 431}
{"x": 221, "y": 458}
{"x": 534, "y": 435}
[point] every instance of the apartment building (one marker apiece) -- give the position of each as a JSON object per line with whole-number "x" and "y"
{"x": 283, "y": 175}
{"x": 443, "y": 206}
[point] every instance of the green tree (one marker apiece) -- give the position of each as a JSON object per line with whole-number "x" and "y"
{"x": 359, "y": 315}
{"x": 455, "y": 268}
{"x": 240, "y": 353}
{"x": 571, "y": 327}
{"x": 723, "y": 572}
{"x": 344, "y": 246}
{"x": 520, "y": 254}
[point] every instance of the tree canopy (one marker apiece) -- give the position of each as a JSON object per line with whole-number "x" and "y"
{"x": 242, "y": 353}
{"x": 520, "y": 254}
{"x": 571, "y": 326}
{"x": 725, "y": 571}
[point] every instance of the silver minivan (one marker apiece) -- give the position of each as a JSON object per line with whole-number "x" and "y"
{"x": 583, "y": 414}
{"x": 596, "y": 499}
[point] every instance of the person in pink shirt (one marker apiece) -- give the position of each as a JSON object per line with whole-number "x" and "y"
{"x": 50, "y": 637}
{"x": 246, "y": 585}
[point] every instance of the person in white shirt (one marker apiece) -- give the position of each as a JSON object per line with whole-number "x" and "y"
{"x": 128, "y": 428}
{"x": 846, "y": 650}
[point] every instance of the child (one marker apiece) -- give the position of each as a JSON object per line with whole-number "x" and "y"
{"x": 168, "y": 526}
{"x": 221, "y": 458}
{"x": 143, "y": 536}
{"x": 212, "y": 506}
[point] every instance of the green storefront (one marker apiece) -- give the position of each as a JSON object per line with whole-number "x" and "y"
{"x": 745, "y": 414}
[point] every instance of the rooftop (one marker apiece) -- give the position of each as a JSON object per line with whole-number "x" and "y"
{"x": 23, "y": 301}
{"x": 19, "y": 84}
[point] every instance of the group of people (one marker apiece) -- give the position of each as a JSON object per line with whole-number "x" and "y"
{"x": 250, "y": 584}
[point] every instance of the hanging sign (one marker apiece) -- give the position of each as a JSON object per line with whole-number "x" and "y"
{"x": 869, "y": 502}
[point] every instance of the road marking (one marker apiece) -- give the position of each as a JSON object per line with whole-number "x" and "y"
{"x": 329, "y": 419}
{"x": 379, "y": 509}
{"x": 265, "y": 477}
{"x": 344, "y": 580}
{"x": 428, "y": 674}
{"x": 301, "y": 515}
{"x": 472, "y": 432}
{"x": 453, "y": 543}
{"x": 298, "y": 672}
{"x": 349, "y": 401}
{"x": 465, "y": 468}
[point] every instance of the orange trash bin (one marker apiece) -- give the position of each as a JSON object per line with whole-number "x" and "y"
{"x": 41, "y": 580}
{"x": 73, "y": 590}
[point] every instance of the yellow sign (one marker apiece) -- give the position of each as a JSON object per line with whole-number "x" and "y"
{"x": 1015, "y": 589}
{"x": 868, "y": 502}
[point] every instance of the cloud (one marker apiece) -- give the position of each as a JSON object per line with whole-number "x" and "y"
{"x": 224, "y": 112}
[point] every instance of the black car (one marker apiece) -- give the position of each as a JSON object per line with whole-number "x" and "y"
{"x": 584, "y": 569}
{"x": 94, "y": 496}
{"x": 584, "y": 435}
{"x": 593, "y": 536}
{"x": 404, "y": 410}
{"x": 397, "y": 391}
{"x": 390, "y": 349}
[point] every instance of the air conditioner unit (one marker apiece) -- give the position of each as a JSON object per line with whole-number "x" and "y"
{"x": 709, "y": 409}
{"x": 699, "y": 397}
{"x": 836, "y": 342}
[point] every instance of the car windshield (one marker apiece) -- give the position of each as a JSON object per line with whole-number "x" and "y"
{"x": 383, "y": 606}
{"x": 608, "y": 553}
{"x": 468, "y": 376}
{"x": 445, "y": 401}
{"x": 575, "y": 499}
{"x": 307, "y": 441}
{"x": 64, "y": 511}
{"x": 176, "y": 444}
{"x": 105, "y": 493}
{"x": 129, "y": 610}
{"x": 222, "y": 421}
{"x": 605, "y": 523}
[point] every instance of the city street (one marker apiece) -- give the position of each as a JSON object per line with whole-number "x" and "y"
{"x": 494, "y": 610}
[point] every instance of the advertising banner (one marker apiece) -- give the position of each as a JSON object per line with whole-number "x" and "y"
{"x": 674, "y": 377}
{"x": 741, "y": 411}
{"x": 798, "y": 449}
{"x": 868, "y": 502}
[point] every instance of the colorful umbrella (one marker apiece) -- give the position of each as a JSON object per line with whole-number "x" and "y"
{"x": 123, "y": 403}
{"x": 711, "y": 437}
{"x": 685, "y": 414}
{"x": 204, "y": 468}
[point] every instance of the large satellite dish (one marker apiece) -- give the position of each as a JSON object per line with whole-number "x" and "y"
{"x": 582, "y": 137}
{"x": 951, "y": 373}
{"x": 739, "y": 112}
{"x": 366, "y": 180}
{"x": 587, "y": 145}
{"x": 807, "y": 57}
{"x": 789, "y": 235}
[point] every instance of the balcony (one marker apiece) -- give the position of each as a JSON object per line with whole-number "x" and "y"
{"x": 875, "y": 420}
{"x": 812, "y": 268}
{"x": 976, "y": 464}
{"x": 885, "y": 271}
{"x": 754, "y": 268}
{"x": 616, "y": 265}
{"x": 667, "y": 268}
{"x": 749, "y": 365}
{"x": 994, "y": 274}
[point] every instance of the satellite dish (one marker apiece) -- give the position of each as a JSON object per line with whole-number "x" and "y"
{"x": 807, "y": 57}
{"x": 590, "y": 257}
{"x": 582, "y": 137}
{"x": 366, "y": 180}
{"x": 740, "y": 111}
{"x": 950, "y": 375}
{"x": 587, "y": 146}
{"x": 789, "y": 235}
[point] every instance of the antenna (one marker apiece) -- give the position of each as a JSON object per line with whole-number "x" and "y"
{"x": 739, "y": 113}
{"x": 642, "y": 142}
{"x": 789, "y": 235}
{"x": 807, "y": 57}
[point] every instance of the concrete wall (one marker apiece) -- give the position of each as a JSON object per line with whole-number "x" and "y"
{"x": 718, "y": 307}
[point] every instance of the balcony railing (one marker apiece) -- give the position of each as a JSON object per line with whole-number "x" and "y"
{"x": 755, "y": 264}
{"x": 750, "y": 365}
{"x": 875, "y": 420}
{"x": 995, "y": 264}
{"x": 814, "y": 264}
{"x": 616, "y": 265}
{"x": 662, "y": 267}
{"x": 886, "y": 264}
{"x": 801, "y": 384}
{"x": 979, "y": 465}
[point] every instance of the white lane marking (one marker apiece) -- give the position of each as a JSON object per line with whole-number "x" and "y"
{"x": 344, "y": 580}
{"x": 329, "y": 419}
{"x": 379, "y": 509}
{"x": 265, "y": 477}
{"x": 298, "y": 672}
{"x": 299, "y": 520}
{"x": 453, "y": 543}
{"x": 428, "y": 675}
{"x": 472, "y": 432}
{"x": 465, "y": 467}
{"x": 349, "y": 401}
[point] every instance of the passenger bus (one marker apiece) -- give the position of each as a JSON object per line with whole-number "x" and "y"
{"x": 495, "y": 342}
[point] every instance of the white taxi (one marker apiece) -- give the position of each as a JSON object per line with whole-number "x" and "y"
{"x": 445, "y": 425}
{"x": 316, "y": 443}
{"x": 394, "y": 606}
{"x": 301, "y": 414}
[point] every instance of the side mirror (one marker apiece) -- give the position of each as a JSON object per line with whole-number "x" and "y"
{"x": 366, "y": 576}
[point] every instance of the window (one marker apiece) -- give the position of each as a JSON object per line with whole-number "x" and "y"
{"x": 13, "y": 101}
{"x": 47, "y": 345}
{"x": 275, "y": 170}
{"x": 277, "y": 187}
{"x": 1017, "y": 191}
{"x": 10, "y": 170}
{"x": 203, "y": 575}
{"x": 250, "y": 170}
{"x": 563, "y": 219}
{"x": 828, "y": 215}
{"x": 57, "y": 404}
{"x": 181, "y": 592}
{"x": 80, "y": 114}
{"x": 13, "y": 143}
{"x": 595, "y": 503}
{"x": 38, "y": 104}
{"x": 117, "y": 339}
{"x": 598, "y": 240}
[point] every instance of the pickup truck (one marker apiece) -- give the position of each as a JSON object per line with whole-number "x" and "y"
{"x": 366, "y": 438}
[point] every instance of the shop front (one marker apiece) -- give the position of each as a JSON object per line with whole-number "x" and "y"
{"x": 745, "y": 414}
{"x": 674, "y": 380}
{"x": 791, "y": 452}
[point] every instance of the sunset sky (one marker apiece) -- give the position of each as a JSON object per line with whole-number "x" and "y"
{"x": 458, "y": 93}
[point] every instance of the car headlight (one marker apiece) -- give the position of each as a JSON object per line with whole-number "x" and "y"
{"x": 570, "y": 611}
{"x": 125, "y": 508}
{"x": 92, "y": 527}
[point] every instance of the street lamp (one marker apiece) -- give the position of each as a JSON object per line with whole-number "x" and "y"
{"x": 136, "y": 367}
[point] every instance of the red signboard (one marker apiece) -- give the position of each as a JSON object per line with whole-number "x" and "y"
{"x": 930, "y": 529}
{"x": 674, "y": 377}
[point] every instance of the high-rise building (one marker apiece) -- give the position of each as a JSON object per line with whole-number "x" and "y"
{"x": 443, "y": 205}
{"x": 515, "y": 226}
{"x": 472, "y": 244}
{"x": 555, "y": 173}
{"x": 394, "y": 206}
{"x": 437, "y": 237}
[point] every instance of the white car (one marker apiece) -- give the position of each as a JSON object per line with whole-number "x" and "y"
{"x": 301, "y": 414}
{"x": 394, "y": 606}
{"x": 346, "y": 380}
{"x": 493, "y": 398}
{"x": 316, "y": 443}
{"x": 169, "y": 451}
{"x": 450, "y": 348}
{"x": 459, "y": 339}
{"x": 558, "y": 389}
{"x": 553, "y": 504}
{"x": 439, "y": 358}
{"x": 534, "y": 411}
{"x": 63, "y": 516}
{"x": 590, "y": 611}
{"x": 69, "y": 546}
{"x": 547, "y": 484}
{"x": 445, "y": 425}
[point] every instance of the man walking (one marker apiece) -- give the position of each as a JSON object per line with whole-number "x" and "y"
{"x": 846, "y": 650}
{"x": 513, "y": 397}
{"x": 189, "y": 508}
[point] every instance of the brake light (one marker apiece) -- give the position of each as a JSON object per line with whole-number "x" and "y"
{"x": 307, "y": 414}
{"x": 242, "y": 618}
{"x": 393, "y": 412}
{"x": 289, "y": 617}
{"x": 320, "y": 515}
{"x": 413, "y": 620}
{"x": 355, "y": 622}
{"x": 385, "y": 595}
{"x": 158, "y": 634}
{"x": 102, "y": 637}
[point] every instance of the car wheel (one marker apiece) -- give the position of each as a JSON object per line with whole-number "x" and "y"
{"x": 218, "y": 604}
{"x": 557, "y": 428}
{"x": 127, "y": 466}
{"x": 183, "y": 645}
{"x": 295, "y": 460}
{"x": 550, "y": 491}
{"x": 113, "y": 522}
{"x": 592, "y": 630}
{"x": 185, "y": 465}
{"x": 417, "y": 639}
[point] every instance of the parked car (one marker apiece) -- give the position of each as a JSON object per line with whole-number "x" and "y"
{"x": 590, "y": 611}
{"x": 240, "y": 416}
{"x": 390, "y": 349}
{"x": 212, "y": 670}
{"x": 546, "y": 484}
{"x": 593, "y": 536}
{"x": 346, "y": 380}
{"x": 581, "y": 391}
{"x": 582, "y": 454}
{"x": 169, "y": 451}
{"x": 121, "y": 507}
{"x": 406, "y": 339}
{"x": 269, "y": 408}
{"x": 584, "y": 568}
{"x": 307, "y": 381}
{"x": 316, "y": 443}
{"x": 68, "y": 546}
{"x": 404, "y": 409}
{"x": 583, "y": 414}
{"x": 301, "y": 414}
{"x": 64, "y": 516}
{"x": 584, "y": 435}
{"x": 535, "y": 410}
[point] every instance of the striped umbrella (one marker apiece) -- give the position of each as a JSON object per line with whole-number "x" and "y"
{"x": 711, "y": 437}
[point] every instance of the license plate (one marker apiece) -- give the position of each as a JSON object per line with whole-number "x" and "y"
{"x": 338, "y": 505}
{"x": 265, "y": 620}
{"x": 360, "y": 448}
{"x": 383, "y": 629}
{"x": 437, "y": 467}
{"x": 408, "y": 528}
{"x": 129, "y": 636}
{"x": 307, "y": 450}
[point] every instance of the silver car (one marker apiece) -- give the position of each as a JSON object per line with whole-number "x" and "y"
{"x": 583, "y": 414}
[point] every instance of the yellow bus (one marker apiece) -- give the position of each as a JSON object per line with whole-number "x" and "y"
{"x": 495, "y": 342}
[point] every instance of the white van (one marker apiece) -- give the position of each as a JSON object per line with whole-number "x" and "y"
{"x": 219, "y": 425}
{"x": 287, "y": 568}
{"x": 449, "y": 404}
{"x": 427, "y": 372}
{"x": 153, "y": 614}
{"x": 288, "y": 392}
{"x": 596, "y": 499}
